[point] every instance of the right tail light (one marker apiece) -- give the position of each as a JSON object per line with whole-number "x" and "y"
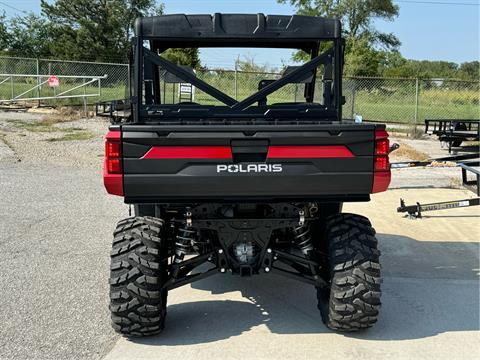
{"x": 382, "y": 175}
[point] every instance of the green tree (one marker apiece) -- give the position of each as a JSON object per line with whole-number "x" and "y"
{"x": 470, "y": 70}
{"x": 29, "y": 36}
{"x": 94, "y": 29}
{"x": 361, "y": 59}
{"x": 248, "y": 65}
{"x": 189, "y": 57}
{"x": 394, "y": 65}
{"x": 357, "y": 18}
{"x": 4, "y": 35}
{"x": 101, "y": 30}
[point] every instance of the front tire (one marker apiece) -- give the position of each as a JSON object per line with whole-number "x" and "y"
{"x": 138, "y": 271}
{"x": 352, "y": 302}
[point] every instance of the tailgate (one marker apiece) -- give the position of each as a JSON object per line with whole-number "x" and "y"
{"x": 201, "y": 163}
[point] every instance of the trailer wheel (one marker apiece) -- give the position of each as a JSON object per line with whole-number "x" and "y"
{"x": 138, "y": 270}
{"x": 352, "y": 302}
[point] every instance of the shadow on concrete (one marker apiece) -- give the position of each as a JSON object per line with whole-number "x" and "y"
{"x": 449, "y": 216}
{"x": 429, "y": 288}
{"x": 467, "y": 148}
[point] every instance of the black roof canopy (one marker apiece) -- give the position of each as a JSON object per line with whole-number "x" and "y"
{"x": 237, "y": 30}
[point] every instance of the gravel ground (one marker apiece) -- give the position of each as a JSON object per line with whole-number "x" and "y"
{"x": 37, "y": 149}
{"x": 425, "y": 177}
{"x": 55, "y": 235}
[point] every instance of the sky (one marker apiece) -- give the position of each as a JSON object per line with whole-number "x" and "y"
{"x": 428, "y": 29}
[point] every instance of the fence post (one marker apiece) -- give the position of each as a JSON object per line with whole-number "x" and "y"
{"x": 12, "y": 87}
{"x": 128, "y": 92}
{"x": 417, "y": 94}
{"x": 354, "y": 85}
{"x": 236, "y": 79}
{"x": 38, "y": 81}
{"x": 85, "y": 98}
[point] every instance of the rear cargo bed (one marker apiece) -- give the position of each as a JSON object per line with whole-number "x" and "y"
{"x": 247, "y": 163}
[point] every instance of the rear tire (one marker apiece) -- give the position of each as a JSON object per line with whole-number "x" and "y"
{"x": 352, "y": 302}
{"x": 138, "y": 271}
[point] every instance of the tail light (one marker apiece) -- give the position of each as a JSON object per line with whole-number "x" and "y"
{"x": 113, "y": 156}
{"x": 382, "y": 174}
{"x": 113, "y": 172}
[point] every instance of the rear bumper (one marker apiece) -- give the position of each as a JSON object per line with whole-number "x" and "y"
{"x": 185, "y": 188}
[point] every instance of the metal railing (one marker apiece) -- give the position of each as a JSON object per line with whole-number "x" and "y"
{"x": 80, "y": 80}
{"x": 87, "y": 81}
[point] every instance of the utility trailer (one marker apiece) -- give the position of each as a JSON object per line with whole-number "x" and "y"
{"x": 243, "y": 187}
{"x": 453, "y": 131}
{"x": 118, "y": 111}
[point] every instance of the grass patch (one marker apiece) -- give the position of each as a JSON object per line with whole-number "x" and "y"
{"x": 386, "y": 100}
{"x": 36, "y": 126}
{"x": 74, "y": 136}
{"x": 3, "y": 138}
{"x": 45, "y": 125}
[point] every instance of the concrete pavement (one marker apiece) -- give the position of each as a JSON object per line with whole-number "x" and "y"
{"x": 430, "y": 300}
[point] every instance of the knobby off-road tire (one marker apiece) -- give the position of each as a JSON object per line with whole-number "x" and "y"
{"x": 352, "y": 302}
{"x": 138, "y": 270}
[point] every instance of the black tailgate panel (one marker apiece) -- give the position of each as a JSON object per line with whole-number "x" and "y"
{"x": 186, "y": 180}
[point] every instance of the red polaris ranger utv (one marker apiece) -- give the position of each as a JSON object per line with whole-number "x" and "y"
{"x": 242, "y": 186}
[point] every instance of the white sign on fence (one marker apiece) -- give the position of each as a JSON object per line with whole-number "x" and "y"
{"x": 186, "y": 92}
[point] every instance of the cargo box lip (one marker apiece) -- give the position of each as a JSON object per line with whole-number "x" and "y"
{"x": 249, "y": 128}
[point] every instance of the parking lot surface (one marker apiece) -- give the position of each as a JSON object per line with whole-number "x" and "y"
{"x": 430, "y": 300}
{"x": 55, "y": 235}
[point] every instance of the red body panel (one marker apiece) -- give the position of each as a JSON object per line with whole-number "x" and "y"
{"x": 309, "y": 152}
{"x": 225, "y": 152}
{"x": 189, "y": 152}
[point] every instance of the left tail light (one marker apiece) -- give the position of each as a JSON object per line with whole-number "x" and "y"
{"x": 381, "y": 175}
{"x": 113, "y": 171}
{"x": 113, "y": 155}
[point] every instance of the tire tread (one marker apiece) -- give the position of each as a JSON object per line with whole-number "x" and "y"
{"x": 137, "y": 302}
{"x": 353, "y": 300}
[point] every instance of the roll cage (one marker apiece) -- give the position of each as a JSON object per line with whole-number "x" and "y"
{"x": 237, "y": 30}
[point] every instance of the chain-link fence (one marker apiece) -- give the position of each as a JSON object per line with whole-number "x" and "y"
{"x": 391, "y": 100}
{"x": 411, "y": 100}
{"x": 30, "y": 81}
